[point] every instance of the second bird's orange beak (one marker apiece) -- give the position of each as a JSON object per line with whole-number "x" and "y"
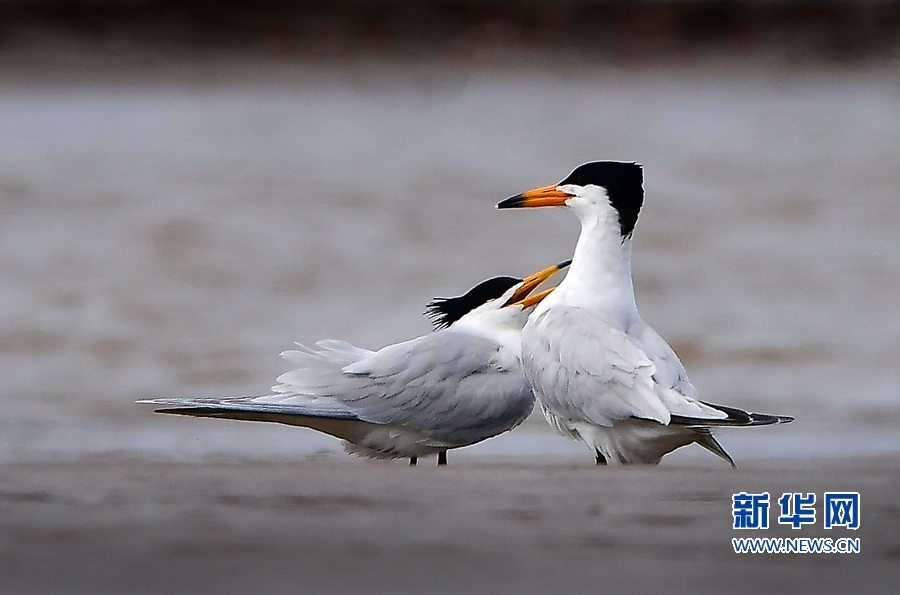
{"x": 548, "y": 196}
{"x": 533, "y": 299}
{"x": 531, "y": 282}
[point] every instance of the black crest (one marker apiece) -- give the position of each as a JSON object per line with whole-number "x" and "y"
{"x": 624, "y": 183}
{"x": 445, "y": 311}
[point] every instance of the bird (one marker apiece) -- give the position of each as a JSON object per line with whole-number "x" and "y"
{"x": 600, "y": 374}
{"x": 459, "y": 385}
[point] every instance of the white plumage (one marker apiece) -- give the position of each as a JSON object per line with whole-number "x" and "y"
{"x": 599, "y": 372}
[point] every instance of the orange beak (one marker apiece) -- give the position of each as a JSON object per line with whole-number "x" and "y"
{"x": 531, "y": 282}
{"x": 548, "y": 196}
{"x": 534, "y": 299}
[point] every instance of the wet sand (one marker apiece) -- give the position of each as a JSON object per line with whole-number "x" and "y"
{"x": 330, "y": 524}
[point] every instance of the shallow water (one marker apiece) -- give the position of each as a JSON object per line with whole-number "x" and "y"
{"x": 170, "y": 239}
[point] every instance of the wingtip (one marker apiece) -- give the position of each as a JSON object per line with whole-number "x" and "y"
{"x": 768, "y": 419}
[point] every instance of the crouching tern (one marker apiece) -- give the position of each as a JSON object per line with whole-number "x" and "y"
{"x": 454, "y": 387}
{"x": 598, "y": 371}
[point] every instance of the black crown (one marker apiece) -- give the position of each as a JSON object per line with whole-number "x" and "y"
{"x": 445, "y": 311}
{"x": 624, "y": 183}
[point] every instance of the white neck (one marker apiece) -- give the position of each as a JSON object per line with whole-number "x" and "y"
{"x": 504, "y": 326}
{"x": 599, "y": 278}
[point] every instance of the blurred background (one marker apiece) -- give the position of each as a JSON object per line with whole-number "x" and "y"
{"x": 188, "y": 187}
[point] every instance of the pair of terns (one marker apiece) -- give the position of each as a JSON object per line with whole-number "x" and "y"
{"x": 599, "y": 373}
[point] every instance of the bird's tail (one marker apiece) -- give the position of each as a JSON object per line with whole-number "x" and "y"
{"x": 705, "y": 439}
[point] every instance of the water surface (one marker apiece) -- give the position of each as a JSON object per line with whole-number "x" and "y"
{"x": 169, "y": 239}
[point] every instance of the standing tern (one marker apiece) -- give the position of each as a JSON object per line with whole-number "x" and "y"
{"x": 598, "y": 371}
{"x": 454, "y": 387}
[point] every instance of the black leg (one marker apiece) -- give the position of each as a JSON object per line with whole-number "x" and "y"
{"x": 442, "y": 457}
{"x": 599, "y": 458}
{"x": 413, "y": 461}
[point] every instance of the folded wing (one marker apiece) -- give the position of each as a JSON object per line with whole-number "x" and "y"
{"x": 582, "y": 368}
{"x": 444, "y": 384}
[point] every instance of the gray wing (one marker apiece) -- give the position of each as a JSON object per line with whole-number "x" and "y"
{"x": 444, "y": 385}
{"x": 254, "y": 407}
{"x": 364, "y": 438}
{"x": 669, "y": 369}
{"x": 584, "y": 369}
